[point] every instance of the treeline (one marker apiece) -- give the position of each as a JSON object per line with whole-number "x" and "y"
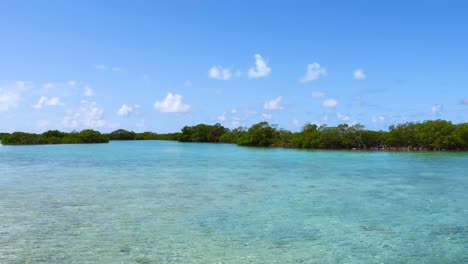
{"x": 85, "y": 136}
{"x": 428, "y": 135}
{"x": 122, "y": 134}
{"x": 54, "y": 137}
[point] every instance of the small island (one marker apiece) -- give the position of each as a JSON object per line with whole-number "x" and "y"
{"x": 428, "y": 135}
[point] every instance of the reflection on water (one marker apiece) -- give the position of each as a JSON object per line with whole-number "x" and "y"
{"x": 167, "y": 202}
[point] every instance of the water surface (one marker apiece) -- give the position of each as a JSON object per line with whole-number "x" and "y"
{"x": 169, "y": 202}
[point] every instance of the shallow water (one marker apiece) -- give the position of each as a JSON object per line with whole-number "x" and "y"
{"x": 169, "y": 202}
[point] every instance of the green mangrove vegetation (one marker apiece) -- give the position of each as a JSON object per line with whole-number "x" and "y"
{"x": 54, "y": 137}
{"x": 427, "y": 135}
{"x": 122, "y": 134}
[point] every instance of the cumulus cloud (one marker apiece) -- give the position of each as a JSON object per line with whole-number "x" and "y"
{"x": 318, "y": 94}
{"x": 261, "y": 68}
{"x": 331, "y": 102}
{"x": 359, "y": 74}
{"x": 314, "y": 72}
{"x": 10, "y": 96}
{"x": 88, "y": 115}
{"x": 125, "y": 110}
{"x": 220, "y": 73}
{"x": 267, "y": 116}
{"x": 437, "y": 109}
{"x": 171, "y": 104}
{"x": 45, "y": 101}
{"x": 274, "y": 104}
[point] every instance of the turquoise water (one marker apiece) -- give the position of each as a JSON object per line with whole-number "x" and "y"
{"x": 169, "y": 202}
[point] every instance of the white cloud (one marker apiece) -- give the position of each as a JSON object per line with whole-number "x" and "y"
{"x": 53, "y": 101}
{"x": 235, "y": 123}
{"x": 295, "y": 122}
{"x": 314, "y": 72}
{"x": 318, "y": 94}
{"x": 234, "y": 111}
{"x": 342, "y": 117}
{"x": 125, "y": 110}
{"x": 261, "y": 68}
{"x": 274, "y": 104}
{"x": 380, "y": 119}
{"x": 331, "y": 102}
{"x": 359, "y": 74}
{"x": 71, "y": 83}
{"x": 171, "y": 104}
{"x": 100, "y": 67}
{"x": 88, "y": 91}
{"x": 60, "y": 85}
{"x": 10, "y": 96}
{"x": 8, "y": 100}
{"x": 437, "y": 109}
{"x": 48, "y": 85}
{"x": 267, "y": 116}
{"x": 222, "y": 117}
{"x": 220, "y": 73}
{"x": 88, "y": 115}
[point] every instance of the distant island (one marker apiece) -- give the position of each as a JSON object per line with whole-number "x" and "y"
{"x": 427, "y": 135}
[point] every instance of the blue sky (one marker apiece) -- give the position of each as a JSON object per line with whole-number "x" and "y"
{"x": 157, "y": 66}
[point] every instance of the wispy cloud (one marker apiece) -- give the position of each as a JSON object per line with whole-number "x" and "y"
{"x": 318, "y": 94}
{"x": 313, "y": 72}
{"x": 172, "y": 104}
{"x": 11, "y": 94}
{"x": 222, "y": 117}
{"x": 331, "y": 102}
{"x": 88, "y": 91}
{"x": 102, "y": 67}
{"x": 261, "y": 68}
{"x": 437, "y": 109}
{"x": 267, "y": 116}
{"x": 45, "y": 101}
{"x": 342, "y": 117}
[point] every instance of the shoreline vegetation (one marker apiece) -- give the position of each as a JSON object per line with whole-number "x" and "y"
{"x": 428, "y": 135}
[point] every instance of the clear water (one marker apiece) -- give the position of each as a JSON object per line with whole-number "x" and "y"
{"x": 169, "y": 202}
